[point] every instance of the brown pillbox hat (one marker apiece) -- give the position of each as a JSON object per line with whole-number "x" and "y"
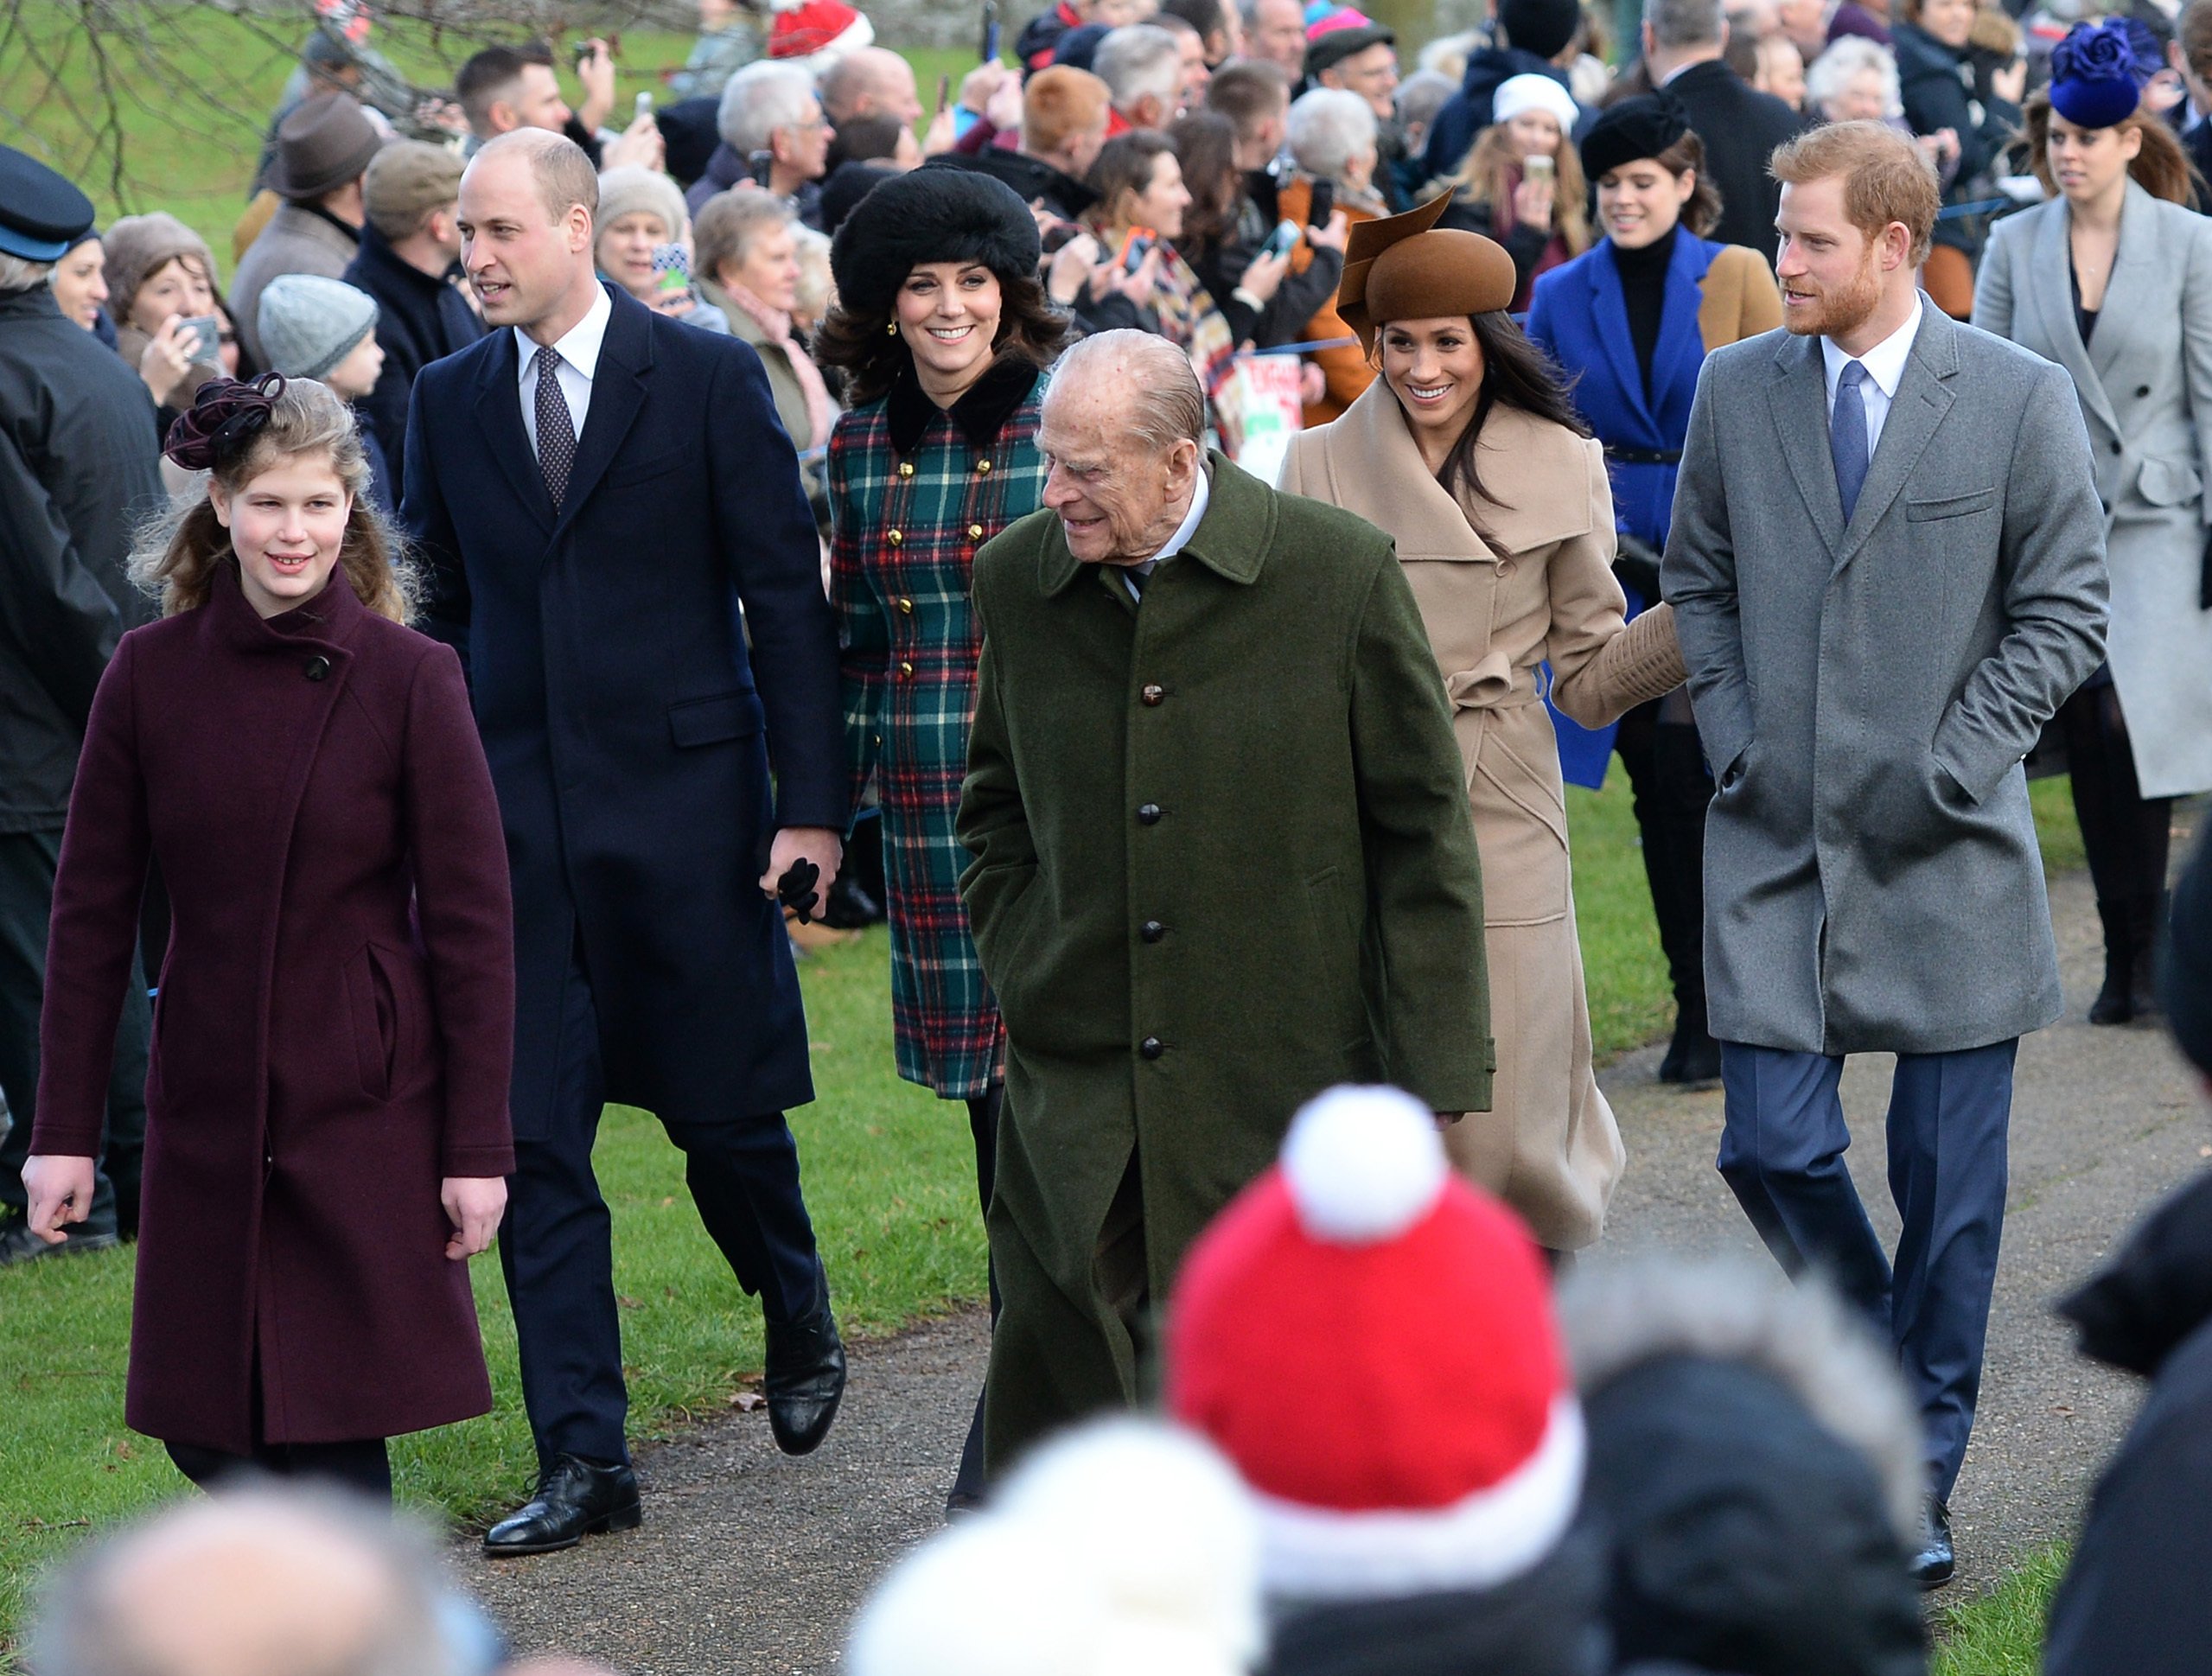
{"x": 406, "y": 180}
{"x": 1404, "y": 267}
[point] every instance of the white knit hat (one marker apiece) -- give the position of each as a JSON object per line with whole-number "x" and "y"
{"x": 1534, "y": 92}
{"x": 308, "y": 323}
{"x": 1127, "y": 1546}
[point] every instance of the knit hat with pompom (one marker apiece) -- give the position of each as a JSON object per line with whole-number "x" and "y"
{"x": 1370, "y": 1340}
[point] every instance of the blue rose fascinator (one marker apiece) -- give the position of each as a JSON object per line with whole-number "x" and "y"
{"x": 2099, "y": 71}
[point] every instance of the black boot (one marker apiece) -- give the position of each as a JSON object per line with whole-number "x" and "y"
{"x": 2147, "y": 924}
{"x": 2115, "y": 1001}
{"x": 1693, "y": 1057}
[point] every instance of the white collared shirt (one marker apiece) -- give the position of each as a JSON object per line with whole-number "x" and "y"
{"x": 579, "y": 352}
{"x": 1199, "y": 493}
{"x": 1885, "y": 371}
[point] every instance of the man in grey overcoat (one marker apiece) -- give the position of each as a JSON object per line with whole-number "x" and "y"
{"x": 1887, "y": 567}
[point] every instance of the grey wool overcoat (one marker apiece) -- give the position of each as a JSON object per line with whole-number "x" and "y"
{"x": 2145, "y": 383}
{"x": 1866, "y": 693}
{"x": 1223, "y": 860}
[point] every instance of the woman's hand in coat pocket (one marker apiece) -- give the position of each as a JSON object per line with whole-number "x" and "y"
{"x": 473, "y": 1204}
{"x": 59, "y": 1190}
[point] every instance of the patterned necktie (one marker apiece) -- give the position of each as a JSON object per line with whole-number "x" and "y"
{"x": 1847, "y": 435}
{"x": 556, "y": 431}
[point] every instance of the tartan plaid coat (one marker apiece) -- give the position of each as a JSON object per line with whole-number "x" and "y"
{"x": 913, "y": 491}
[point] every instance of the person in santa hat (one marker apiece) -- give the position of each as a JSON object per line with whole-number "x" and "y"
{"x": 1369, "y": 1339}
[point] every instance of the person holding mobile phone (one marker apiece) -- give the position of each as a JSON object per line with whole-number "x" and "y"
{"x": 161, "y": 279}
{"x": 1522, "y": 184}
{"x": 1140, "y": 214}
{"x": 640, "y": 217}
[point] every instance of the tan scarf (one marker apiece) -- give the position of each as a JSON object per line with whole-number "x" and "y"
{"x": 821, "y": 411}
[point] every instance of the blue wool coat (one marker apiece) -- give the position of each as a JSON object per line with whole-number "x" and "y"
{"x": 1716, "y": 294}
{"x": 629, "y": 733}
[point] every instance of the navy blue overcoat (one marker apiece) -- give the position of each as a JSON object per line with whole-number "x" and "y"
{"x": 630, "y": 734}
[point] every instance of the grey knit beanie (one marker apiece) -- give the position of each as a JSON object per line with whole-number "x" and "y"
{"x": 309, "y": 324}
{"x": 630, "y": 189}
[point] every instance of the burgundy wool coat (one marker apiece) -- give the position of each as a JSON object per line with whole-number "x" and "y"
{"x": 335, "y": 1022}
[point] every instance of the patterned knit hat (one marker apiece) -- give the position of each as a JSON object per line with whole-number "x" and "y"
{"x": 1370, "y": 1340}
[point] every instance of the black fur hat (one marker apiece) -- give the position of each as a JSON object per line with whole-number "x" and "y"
{"x": 930, "y": 215}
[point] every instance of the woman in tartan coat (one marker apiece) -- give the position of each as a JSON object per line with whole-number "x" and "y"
{"x": 943, "y": 331}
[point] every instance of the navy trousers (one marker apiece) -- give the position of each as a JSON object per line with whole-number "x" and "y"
{"x": 557, "y": 1247}
{"x": 1782, "y": 1153}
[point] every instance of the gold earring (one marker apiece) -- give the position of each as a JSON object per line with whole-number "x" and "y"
{"x": 890, "y": 329}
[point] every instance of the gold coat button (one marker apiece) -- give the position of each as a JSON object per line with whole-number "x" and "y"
{"x": 905, "y": 467}
{"x": 895, "y": 538}
{"x": 905, "y": 669}
{"x": 983, "y": 466}
{"x": 907, "y": 605}
{"x": 975, "y": 532}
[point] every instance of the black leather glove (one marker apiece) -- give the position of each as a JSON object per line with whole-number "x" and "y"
{"x": 1637, "y": 567}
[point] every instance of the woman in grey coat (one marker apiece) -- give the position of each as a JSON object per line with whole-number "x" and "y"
{"x": 2112, "y": 279}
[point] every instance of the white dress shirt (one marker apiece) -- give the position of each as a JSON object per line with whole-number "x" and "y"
{"x": 1199, "y": 493}
{"x": 1886, "y": 370}
{"x": 579, "y": 352}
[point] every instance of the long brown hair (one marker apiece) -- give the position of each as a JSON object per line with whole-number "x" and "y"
{"x": 2161, "y": 168}
{"x": 1515, "y": 372}
{"x": 1482, "y": 177}
{"x": 178, "y": 554}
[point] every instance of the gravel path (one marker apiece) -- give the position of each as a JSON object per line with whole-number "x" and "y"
{"x": 750, "y": 1565}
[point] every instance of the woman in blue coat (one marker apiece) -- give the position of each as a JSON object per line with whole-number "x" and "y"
{"x": 1629, "y": 322}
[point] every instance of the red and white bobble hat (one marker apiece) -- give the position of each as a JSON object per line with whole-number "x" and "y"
{"x": 815, "y": 34}
{"x": 1371, "y": 1341}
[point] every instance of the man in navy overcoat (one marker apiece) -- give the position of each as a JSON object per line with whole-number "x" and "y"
{"x": 597, "y": 493}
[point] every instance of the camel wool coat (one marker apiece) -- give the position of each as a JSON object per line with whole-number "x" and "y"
{"x": 1538, "y": 588}
{"x": 334, "y": 1022}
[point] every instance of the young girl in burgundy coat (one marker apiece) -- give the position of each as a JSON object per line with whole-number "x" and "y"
{"x": 326, "y": 1128}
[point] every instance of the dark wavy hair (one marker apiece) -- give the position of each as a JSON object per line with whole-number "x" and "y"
{"x": 1515, "y": 372}
{"x": 872, "y": 355}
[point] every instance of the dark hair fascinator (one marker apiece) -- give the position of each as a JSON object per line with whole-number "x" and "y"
{"x": 2099, "y": 71}
{"x": 224, "y": 419}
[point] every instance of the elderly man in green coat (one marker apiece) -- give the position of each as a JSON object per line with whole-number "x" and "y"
{"x": 1222, "y": 861}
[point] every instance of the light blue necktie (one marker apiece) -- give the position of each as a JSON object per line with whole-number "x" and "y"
{"x": 1847, "y": 435}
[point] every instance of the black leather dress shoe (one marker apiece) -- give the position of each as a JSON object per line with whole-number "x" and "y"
{"x": 805, "y": 1381}
{"x": 576, "y": 1498}
{"x": 1932, "y": 1567}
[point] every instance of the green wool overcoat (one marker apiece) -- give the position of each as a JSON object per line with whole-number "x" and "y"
{"x": 1222, "y": 861}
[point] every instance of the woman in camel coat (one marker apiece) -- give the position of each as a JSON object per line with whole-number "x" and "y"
{"x": 1512, "y": 567}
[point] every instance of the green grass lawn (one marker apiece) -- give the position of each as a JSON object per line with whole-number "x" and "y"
{"x": 890, "y": 1178}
